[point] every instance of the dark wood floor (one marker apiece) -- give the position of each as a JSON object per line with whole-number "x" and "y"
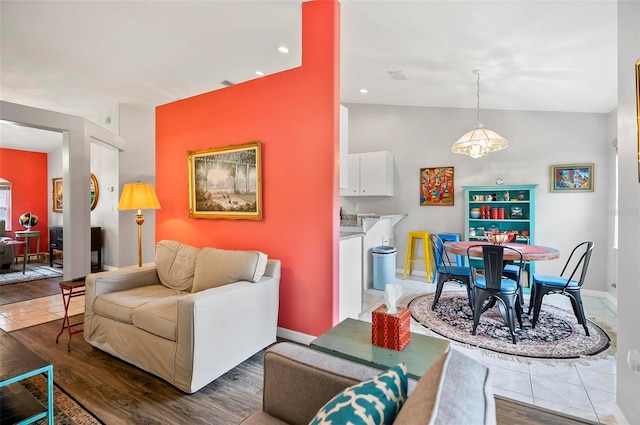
{"x": 118, "y": 393}
{"x": 24, "y": 291}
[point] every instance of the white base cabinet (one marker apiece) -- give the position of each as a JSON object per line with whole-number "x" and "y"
{"x": 350, "y": 297}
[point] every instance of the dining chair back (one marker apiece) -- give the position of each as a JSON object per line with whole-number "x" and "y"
{"x": 492, "y": 287}
{"x": 447, "y": 271}
{"x": 568, "y": 283}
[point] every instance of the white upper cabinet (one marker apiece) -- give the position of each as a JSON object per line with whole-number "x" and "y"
{"x": 370, "y": 174}
{"x": 344, "y": 147}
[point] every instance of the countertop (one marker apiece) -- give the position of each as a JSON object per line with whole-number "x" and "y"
{"x": 350, "y": 235}
{"x": 362, "y": 222}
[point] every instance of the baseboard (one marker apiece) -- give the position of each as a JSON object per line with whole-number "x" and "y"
{"x": 295, "y": 336}
{"x": 621, "y": 418}
{"x": 600, "y": 294}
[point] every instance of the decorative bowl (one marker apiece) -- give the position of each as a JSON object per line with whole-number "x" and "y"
{"x": 475, "y": 212}
{"x": 498, "y": 237}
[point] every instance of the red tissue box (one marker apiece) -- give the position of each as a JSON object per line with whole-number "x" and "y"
{"x": 391, "y": 331}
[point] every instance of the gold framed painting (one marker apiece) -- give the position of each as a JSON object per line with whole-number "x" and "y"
{"x": 226, "y": 182}
{"x": 94, "y": 191}
{"x": 436, "y": 186}
{"x": 56, "y": 194}
{"x": 572, "y": 178}
{"x": 57, "y": 189}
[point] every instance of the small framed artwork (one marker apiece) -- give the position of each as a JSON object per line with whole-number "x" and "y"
{"x": 572, "y": 178}
{"x": 56, "y": 194}
{"x": 226, "y": 182}
{"x": 436, "y": 186}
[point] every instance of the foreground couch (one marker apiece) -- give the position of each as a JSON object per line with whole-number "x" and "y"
{"x": 189, "y": 318}
{"x": 298, "y": 381}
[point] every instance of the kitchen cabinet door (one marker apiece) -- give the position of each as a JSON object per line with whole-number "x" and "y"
{"x": 353, "y": 171}
{"x": 376, "y": 174}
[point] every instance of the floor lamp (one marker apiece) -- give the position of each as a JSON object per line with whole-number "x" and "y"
{"x": 138, "y": 196}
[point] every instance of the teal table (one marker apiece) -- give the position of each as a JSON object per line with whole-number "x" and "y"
{"x": 351, "y": 340}
{"x": 17, "y": 363}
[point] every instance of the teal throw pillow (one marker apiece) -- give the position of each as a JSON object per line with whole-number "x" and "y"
{"x": 376, "y": 401}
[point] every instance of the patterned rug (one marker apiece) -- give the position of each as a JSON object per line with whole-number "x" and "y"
{"x": 66, "y": 411}
{"x": 32, "y": 272}
{"x": 557, "y": 334}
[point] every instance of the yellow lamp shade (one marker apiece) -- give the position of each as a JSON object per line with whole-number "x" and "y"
{"x": 138, "y": 196}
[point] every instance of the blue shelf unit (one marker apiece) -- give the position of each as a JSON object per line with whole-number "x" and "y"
{"x": 519, "y": 204}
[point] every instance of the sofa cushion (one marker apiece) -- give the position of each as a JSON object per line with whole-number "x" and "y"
{"x": 120, "y": 305}
{"x": 176, "y": 264}
{"x": 158, "y": 317}
{"x": 217, "y": 267}
{"x": 375, "y": 401}
{"x": 454, "y": 380}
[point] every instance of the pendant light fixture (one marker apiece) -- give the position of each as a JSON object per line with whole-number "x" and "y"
{"x": 479, "y": 141}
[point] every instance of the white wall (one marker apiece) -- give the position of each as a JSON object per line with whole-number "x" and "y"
{"x": 422, "y": 137}
{"x": 137, "y": 162}
{"x": 104, "y": 165}
{"x": 628, "y": 382}
{"x": 104, "y": 161}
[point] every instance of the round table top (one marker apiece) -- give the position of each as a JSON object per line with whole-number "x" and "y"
{"x": 529, "y": 252}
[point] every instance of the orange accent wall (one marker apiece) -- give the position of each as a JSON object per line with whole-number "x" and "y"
{"x": 28, "y": 173}
{"x": 295, "y": 114}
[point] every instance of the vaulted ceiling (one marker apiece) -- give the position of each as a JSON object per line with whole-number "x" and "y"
{"x": 86, "y": 57}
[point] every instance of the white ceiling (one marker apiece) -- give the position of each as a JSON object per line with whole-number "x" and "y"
{"x": 86, "y": 57}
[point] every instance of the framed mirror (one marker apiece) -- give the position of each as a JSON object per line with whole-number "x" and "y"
{"x": 95, "y": 191}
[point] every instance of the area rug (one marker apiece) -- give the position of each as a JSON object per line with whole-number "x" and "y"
{"x": 66, "y": 410}
{"x": 31, "y": 273}
{"x": 557, "y": 334}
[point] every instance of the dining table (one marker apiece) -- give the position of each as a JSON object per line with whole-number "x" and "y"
{"x": 529, "y": 252}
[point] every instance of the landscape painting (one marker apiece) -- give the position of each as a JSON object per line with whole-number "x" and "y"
{"x": 226, "y": 182}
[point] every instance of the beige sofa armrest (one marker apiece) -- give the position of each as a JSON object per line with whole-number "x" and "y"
{"x": 97, "y": 284}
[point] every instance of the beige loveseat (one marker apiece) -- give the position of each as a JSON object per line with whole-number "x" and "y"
{"x": 191, "y": 317}
{"x": 298, "y": 381}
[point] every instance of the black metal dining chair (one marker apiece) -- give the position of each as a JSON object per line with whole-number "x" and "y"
{"x": 565, "y": 284}
{"x": 447, "y": 272}
{"x": 492, "y": 287}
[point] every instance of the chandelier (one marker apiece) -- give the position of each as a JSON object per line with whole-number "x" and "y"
{"x": 479, "y": 141}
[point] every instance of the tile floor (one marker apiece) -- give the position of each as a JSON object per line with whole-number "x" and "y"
{"x": 583, "y": 390}
{"x": 586, "y": 390}
{"x": 40, "y": 310}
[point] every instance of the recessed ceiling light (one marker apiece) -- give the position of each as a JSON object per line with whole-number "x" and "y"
{"x": 259, "y": 73}
{"x": 283, "y": 49}
{"x": 364, "y": 91}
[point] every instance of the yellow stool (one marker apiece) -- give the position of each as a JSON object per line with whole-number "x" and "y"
{"x": 409, "y": 257}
